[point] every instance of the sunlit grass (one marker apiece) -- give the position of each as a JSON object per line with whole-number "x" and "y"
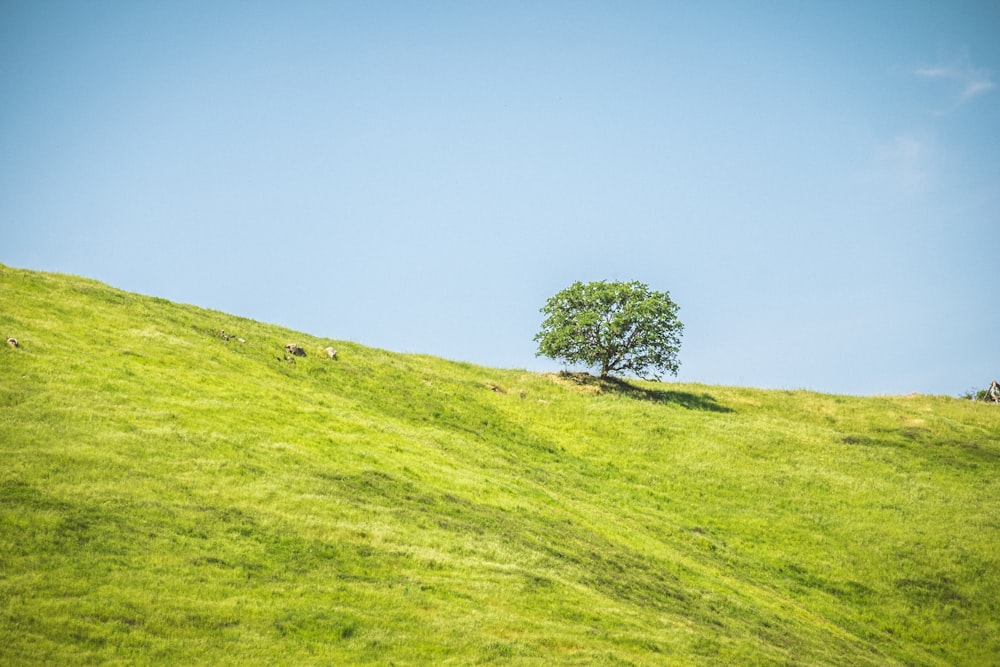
{"x": 168, "y": 496}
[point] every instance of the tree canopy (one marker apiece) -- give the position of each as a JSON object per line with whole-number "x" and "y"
{"x": 617, "y": 327}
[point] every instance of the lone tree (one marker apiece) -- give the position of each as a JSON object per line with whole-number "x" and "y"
{"x": 615, "y": 326}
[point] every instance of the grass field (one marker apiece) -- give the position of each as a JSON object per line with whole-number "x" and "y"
{"x": 169, "y": 496}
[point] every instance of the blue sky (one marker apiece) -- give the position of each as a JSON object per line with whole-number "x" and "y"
{"x": 817, "y": 185}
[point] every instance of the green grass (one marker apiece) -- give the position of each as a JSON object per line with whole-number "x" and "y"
{"x": 167, "y": 496}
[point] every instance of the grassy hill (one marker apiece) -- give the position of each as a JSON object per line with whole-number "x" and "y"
{"x": 171, "y": 496}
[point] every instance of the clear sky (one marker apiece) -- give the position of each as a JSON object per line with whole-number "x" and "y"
{"x": 817, "y": 184}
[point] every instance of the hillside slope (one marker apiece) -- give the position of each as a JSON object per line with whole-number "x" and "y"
{"x": 170, "y": 495}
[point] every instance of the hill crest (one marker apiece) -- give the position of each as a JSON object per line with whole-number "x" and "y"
{"x": 172, "y": 494}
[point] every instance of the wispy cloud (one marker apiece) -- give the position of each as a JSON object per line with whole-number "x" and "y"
{"x": 973, "y": 88}
{"x": 902, "y": 165}
{"x": 971, "y": 81}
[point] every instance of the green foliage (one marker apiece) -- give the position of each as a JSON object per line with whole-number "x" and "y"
{"x": 987, "y": 394}
{"x": 975, "y": 395}
{"x": 168, "y": 496}
{"x": 616, "y": 327}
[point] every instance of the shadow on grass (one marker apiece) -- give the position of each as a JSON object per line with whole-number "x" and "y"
{"x": 611, "y": 385}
